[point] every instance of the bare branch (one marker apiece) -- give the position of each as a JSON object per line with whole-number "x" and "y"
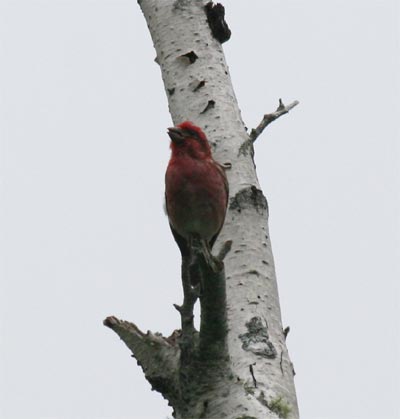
{"x": 190, "y": 296}
{"x": 270, "y": 117}
{"x": 158, "y": 356}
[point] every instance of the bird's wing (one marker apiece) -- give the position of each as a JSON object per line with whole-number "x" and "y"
{"x": 221, "y": 170}
{"x": 180, "y": 241}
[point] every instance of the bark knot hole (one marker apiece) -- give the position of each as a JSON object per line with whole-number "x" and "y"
{"x": 190, "y": 57}
{"x": 210, "y": 105}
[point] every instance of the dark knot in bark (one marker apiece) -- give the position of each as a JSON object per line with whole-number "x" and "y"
{"x": 216, "y": 20}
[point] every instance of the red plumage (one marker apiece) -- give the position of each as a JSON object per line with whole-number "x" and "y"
{"x": 196, "y": 188}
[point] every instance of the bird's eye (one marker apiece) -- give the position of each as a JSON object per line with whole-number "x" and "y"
{"x": 192, "y": 133}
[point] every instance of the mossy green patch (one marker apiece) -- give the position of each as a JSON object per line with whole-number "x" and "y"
{"x": 280, "y": 407}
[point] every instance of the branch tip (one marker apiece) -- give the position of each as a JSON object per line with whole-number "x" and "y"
{"x": 178, "y": 308}
{"x": 286, "y": 331}
{"x": 225, "y": 249}
{"x": 110, "y": 322}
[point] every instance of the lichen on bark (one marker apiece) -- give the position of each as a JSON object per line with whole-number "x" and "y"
{"x": 257, "y": 340}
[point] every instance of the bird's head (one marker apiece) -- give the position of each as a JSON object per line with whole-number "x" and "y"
{"x": 189, "y": 139}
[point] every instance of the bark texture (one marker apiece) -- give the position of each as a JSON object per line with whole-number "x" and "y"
{"x": 238, "y": 365}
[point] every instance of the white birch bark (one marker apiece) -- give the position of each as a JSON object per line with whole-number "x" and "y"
{"x": 198, "y": 86}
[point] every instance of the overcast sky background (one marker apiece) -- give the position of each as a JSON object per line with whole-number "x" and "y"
{"x": 83, "y": 119}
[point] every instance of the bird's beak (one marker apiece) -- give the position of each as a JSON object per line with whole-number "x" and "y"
{"x": 176, "y": 134}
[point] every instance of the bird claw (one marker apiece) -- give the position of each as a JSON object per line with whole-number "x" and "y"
{"x": 214, "y": 263}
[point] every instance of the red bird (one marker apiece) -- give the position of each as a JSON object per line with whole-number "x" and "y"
{"x": 196, "y": 189}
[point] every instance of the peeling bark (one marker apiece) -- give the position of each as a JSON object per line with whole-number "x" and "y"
{"x": 237, "y": 365}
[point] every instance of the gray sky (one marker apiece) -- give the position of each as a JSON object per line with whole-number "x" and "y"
{"x": 83, "y": 120}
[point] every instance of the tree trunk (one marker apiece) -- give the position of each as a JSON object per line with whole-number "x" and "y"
{"x": 237, "y": 366}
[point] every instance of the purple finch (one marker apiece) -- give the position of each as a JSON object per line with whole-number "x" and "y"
{"x": 196, "y": 189}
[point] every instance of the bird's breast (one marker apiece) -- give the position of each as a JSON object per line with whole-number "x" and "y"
{"x": 196, "y": 197}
